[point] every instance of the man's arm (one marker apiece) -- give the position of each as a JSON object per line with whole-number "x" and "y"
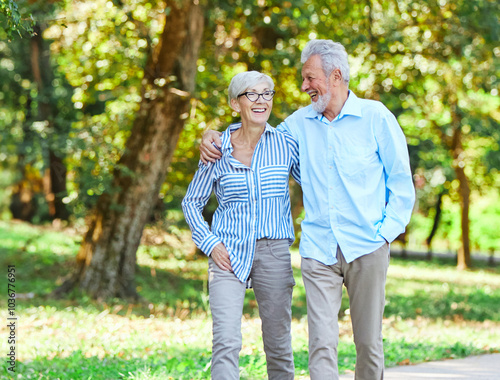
{"x": 393, "y": 152}
{"x": 209, "y": 151}
{"x": 285, "y": 126}
{"x": 211, "y": 142}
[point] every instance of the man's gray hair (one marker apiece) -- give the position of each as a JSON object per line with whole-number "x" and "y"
{"x": 243, "y": 81}
{"x": 333, "y": 56}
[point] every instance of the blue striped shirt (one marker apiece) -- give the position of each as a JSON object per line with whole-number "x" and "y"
{"x": 254, "y": 202}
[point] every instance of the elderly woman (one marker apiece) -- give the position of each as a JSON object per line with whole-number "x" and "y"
{"x": 251, "y": 230}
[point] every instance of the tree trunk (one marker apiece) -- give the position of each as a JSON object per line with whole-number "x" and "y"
{"x": 463, "y": 256}
{"x": 437, "y": 218}
{"x": 23, "y": 205}
{"x": 57, "y": 172}
{"x": 491, "y": 259}
{"x": 463, "y": 259}
{"x": 106, "y": 261}
{"x": 40, "y": 64}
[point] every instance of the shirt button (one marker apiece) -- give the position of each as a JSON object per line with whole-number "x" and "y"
{"x": 331, "y": 167}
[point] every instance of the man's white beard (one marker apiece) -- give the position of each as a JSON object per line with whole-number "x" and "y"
{"x": 322, "y": 102}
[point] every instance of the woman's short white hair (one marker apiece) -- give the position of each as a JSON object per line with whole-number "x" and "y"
{"x": 333, "y": 56}
{"x": 243, "y": 81}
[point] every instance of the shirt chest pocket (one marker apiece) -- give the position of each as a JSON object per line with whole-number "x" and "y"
{"x": 351, "y": 160}
{"x": 273, "y": 181}
{"x": 234, "y": 187}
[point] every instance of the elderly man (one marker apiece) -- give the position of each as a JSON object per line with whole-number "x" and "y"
{"x": 358, "y": 197}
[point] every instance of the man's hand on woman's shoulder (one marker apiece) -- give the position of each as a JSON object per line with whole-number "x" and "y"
{"x": 208, "y": 152}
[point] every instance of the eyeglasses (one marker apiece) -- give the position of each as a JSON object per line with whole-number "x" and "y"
{"x": 254, "y": 96}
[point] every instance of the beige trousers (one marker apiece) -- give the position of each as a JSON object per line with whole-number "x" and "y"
{"x": 365, "y": 280}
{"x": 272, "y": 281}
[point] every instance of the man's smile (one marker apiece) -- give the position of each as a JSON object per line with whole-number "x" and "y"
{"x": 313, "y": 94}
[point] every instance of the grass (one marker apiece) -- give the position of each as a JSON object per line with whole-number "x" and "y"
{"x": 433, "y": 312}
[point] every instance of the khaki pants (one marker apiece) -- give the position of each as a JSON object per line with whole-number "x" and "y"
{"x": 272, "y": 281}
{"x": 365, "y": 280}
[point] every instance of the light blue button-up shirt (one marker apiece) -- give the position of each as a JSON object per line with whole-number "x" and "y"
{"x": 355, "y": 176}
{"x": 254, "y": 202}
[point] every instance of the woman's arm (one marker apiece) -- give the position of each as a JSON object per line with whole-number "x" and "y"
{"x": 197, "y": 196}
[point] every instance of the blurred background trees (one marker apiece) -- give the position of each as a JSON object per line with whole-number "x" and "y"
{"x": 72, "y": 88}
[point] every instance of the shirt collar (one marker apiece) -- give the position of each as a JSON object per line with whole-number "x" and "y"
{"x": 352, "y": 106}
{"x": 226, "y": 147}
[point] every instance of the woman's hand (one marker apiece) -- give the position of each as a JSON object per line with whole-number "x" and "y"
{"x": 221, "y": 257}
{"x": 207, "y": 151}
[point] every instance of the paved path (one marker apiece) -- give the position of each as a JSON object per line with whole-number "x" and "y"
{"x": 482, "y": 367}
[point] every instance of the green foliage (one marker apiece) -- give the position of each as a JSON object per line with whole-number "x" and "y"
{"x": 14, "y": 20}
{"x": 97, "y": 53}
{"x": 415, "y": 352}
{"x": 484, "y": 219}
{"x": 102, "y": 53}
{"x": 78, "y": 365}
{"x": 448, "y": 294}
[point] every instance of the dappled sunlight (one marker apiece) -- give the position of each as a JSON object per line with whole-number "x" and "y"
{"x": 443, "y": 272}
{"x": 481, "y": 335}
{"x": 423, "y": 289}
